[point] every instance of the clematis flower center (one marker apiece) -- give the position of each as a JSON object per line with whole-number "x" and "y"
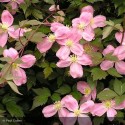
{"x": 4, "y": 27}
{"x": 81, "y": 26}
{"x": 57, "y": 105}
{"x": 73, "y": 58}
{"x": 52, "y": 38}
{"x": 69, "y": 43}
{"x": 15, "y": 65}
{"x": 87, "y": 91}
{"x": 108, "y": 104}
{"x": 77, "y": 112}
{"x": 92, "y": 21}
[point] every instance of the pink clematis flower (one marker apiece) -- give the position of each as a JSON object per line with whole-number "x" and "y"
{"x": 14, "y": 3}
{"x": 52, "y": 109}
{"x": 85, "y": 89}
{"x": 76, "y": 111}
{"x": 108, "y": 106}
{"x": 119, "y": 53}
{"x": 7, "y": 28}
{"x": 46, "y": 44}
{"x": 70, "y": 44}
{"x": 19, "y": 75}
{"x": 118, "y": 37}
{"x": 75, "y": 62}
{"x": 88, "y": 9}
{"x": 55, "y": 26}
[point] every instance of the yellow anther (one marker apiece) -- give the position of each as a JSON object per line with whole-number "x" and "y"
{"x": 52, "y": 38}
{"x": 108, "y": 104}
{"x": 69, "y": 43}
{"x": 15, "y": 66}
{"x": 81, "y": 26}
{"x": 77, "y": 112}
{"x": 4, "y": 27}
{"x": 57, "y": 105}
{"x": 73, "y": 58}
{"x": 87, "y": 91}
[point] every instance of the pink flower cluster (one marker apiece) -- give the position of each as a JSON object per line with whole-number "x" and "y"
{"x": 26, "y": 61}
{"x": 71, "y": 52}
{"x": 69, "y": 110}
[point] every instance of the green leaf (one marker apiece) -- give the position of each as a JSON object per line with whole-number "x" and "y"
{"x": 13, "y": 87}
{"x": 14, "y": 109}
{"x": 106, "y": 31}
{"x": 119, "y": 87}
{"x": 106, "y": 94}
{"x": 77, "y": 95}
{"x": 65, "y": 89}
{"x": 44, "y": 92}
{"x": 110, "y": 57}
{"x": 119, "y": 99}
{"x": 121, "y": 10}
{"x": 37, "y": 14}
{"x": 49, "y": 1}
{"x": 98, "y": 120}
{"x": 33, "y": 22}
{"x": 39, "y": 101}
{"x": 113, "y": 72}
{"x": 55, "y": 97}
{"x": 47, "y": 71}
{"x": 98, "y": 74}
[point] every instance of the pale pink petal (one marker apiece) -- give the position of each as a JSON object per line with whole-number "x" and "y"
{"x": 108, "y": 49}
{"x": 93, "y": 94}
{"x": 88, "y": 34}
{"x": 105, "y": 65}
{"x": 86, "y": 17}
{"x": 120, "y": 67}
{"x": 11, "y": 52}
{"x": 84, "y": 60}
{"x": 7, "y": 18}
{"x": 118, "y": 37}
{"x": 71, "y": 119}
{"x": 111, "y": 114}
{"x": 49, "y": 111}
{"x": 13, "y": 4}
{"x": 81, "y": 85}
{"x": 55, "y": 26}
{"x": 63, "y": 52}
{"x": 76, "y": 70}
{"x": 44, "y": 45}
{"x": 3, "y": 39}
{"x": 85, "y": 98}
{"x": 98, "y": 21}
{"x": 64, "y": 63}
{"x": 70, "y": 103}
{"x": 19, "y": 76}
{"x": 77, "y": 49}
{"x": 87, "y": 106}
{"x": 27, "y": 61}
{"x": 20, "y": 1}
{"x": 87, "y": 9}
{"x": 84, "y": 120}
{"x": 120, "y": 52}
{"x": 98, "y": 109}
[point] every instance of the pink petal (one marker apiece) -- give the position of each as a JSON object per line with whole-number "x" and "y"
{"x": 49, "y": 111}
{"x": 55, "y": 26}
{"x": 28, "y": 61}
{"x": 71, "y": 119}
{"x": 20, "y": 1}
{"x": 44, "y": 45}
{"x": 4, "y": 0}
{"x": 88, "y": 34}
{"x": 108, "y": 49}
{"x": 7, "y": 18}
{"x": 13, "y": 4}
{"x": 120, "y": 67}
{"x": 11, "y": 52}
{"x": 84, "y": 60}
{"x": 76, "y": 70}
{"x": 19, "y": 76}
{"x": 98, "y": 109}
{"x": 98, "y": 21}
{"x": 93, "y": 94}
{"x": 105, "y": 65}
{"x": 70, "y": 103}
{"x": 3, "y": 39}
{"x": 86, "y": 17}
{"x": 84, "y": 120}
{"x": 86, "y": 107}
{"x": 111, "y": 114}
{"x": 81, "y": 85}
{"x": 120, "y": 52}
{"x": 85, "y": 98}
{"x": 64, "y": 63}
{"x": 118, "y": 37}
{"x": 77, "y": 49}
{"x": 87, "y": 9}
{"x": 63, "y": 52}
